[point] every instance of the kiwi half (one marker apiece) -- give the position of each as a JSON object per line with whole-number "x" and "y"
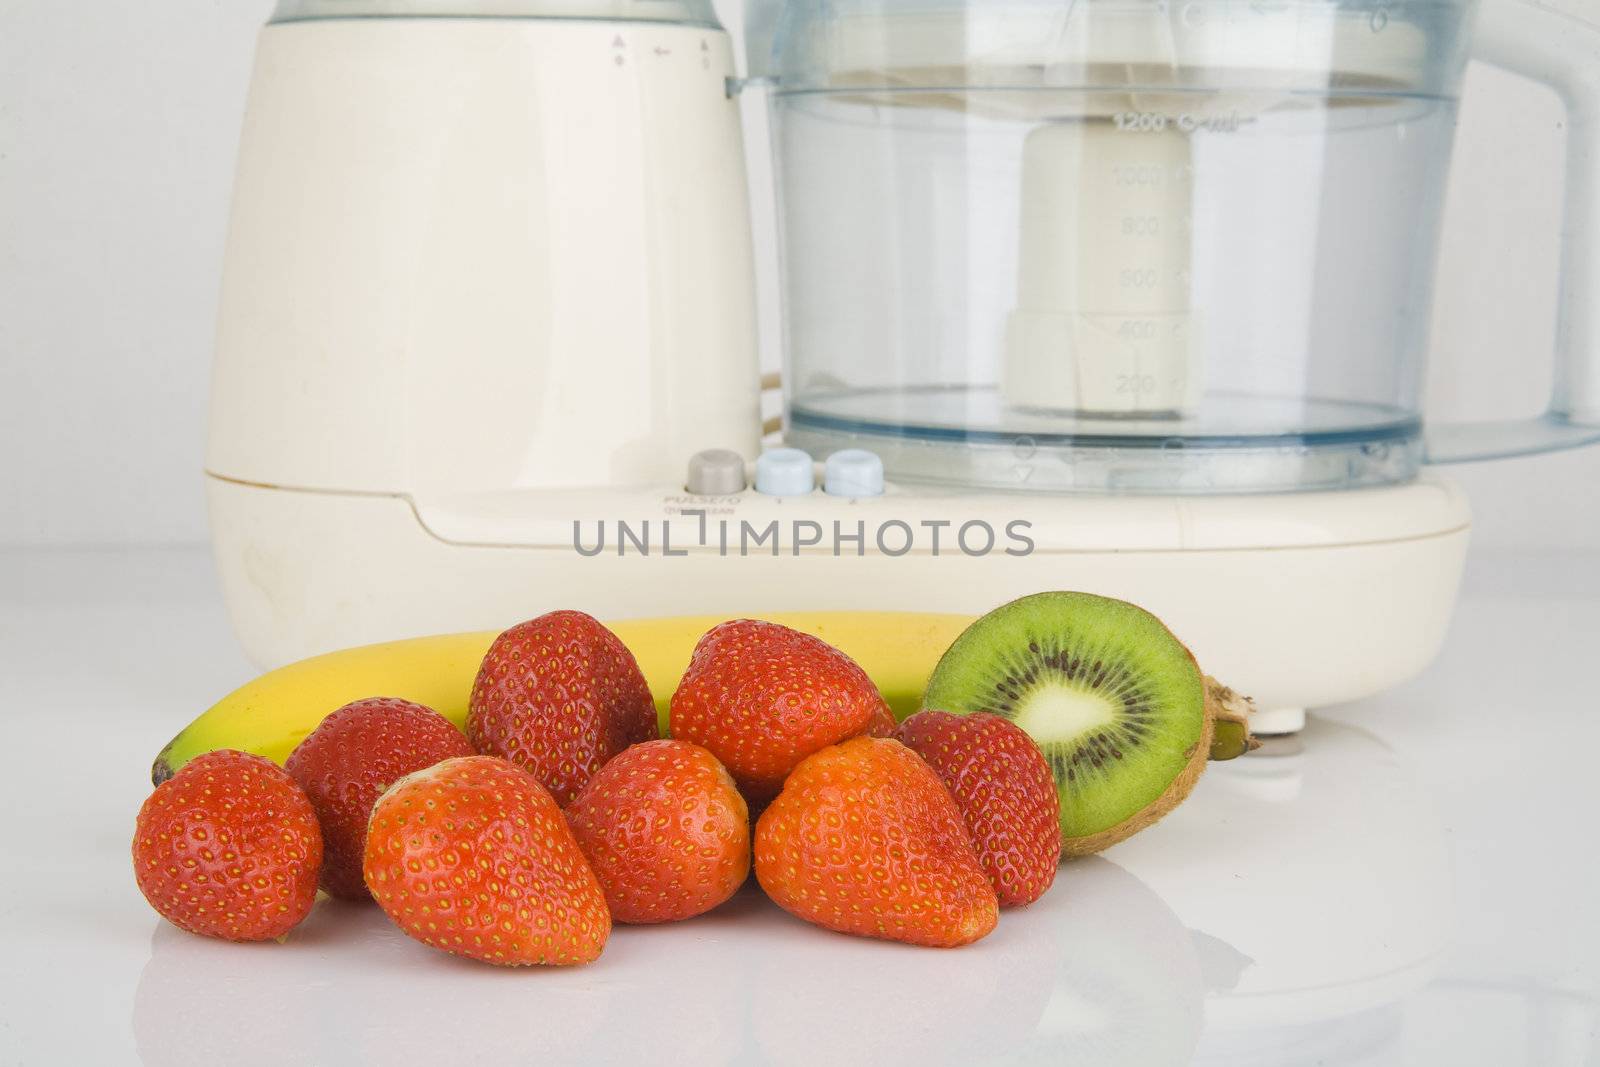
{"x": 1118, "y": 705}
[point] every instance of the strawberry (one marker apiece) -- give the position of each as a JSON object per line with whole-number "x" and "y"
{"x": 228, "y": 847}
{"x": 473, "y": 857}
{"x": 882, "y": 723}
{"x": 1005, "y": 792}
{"x": 762, "y": 697}
{"x": 865, "y": 840}
{"x": 558, "y": 696}
{"x": 666, "y": 831}
{"x": 350, "y": 759}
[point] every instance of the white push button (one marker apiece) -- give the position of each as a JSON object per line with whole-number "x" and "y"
{"x": 715, "y": 472}
{"x": 853, "y": 472}
{"x": 784, "y": 472}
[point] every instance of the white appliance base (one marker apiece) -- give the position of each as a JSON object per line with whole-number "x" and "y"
{"x": 1331, "y": 619}
{"x": 1275, "y": 722}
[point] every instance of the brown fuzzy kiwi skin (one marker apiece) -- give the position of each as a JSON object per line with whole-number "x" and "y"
{"x": 1221, "y": 703}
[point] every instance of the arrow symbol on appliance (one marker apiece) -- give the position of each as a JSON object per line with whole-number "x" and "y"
{"x": 617, "y": 42}
{"x": 662, "y": 51}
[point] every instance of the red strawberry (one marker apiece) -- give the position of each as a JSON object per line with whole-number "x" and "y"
{"x": 228, "y": 847}
{"x": 882, "y": 723}
{"x": 864, "y": 840}
{"x": 558, "y": 696}
{"x": 473, "y": 857}
{"x": 762, "y": 697}
{"x": 350, "y": 759}
{"x": 1005, "y": 791}
{"x": 666, "y": 831}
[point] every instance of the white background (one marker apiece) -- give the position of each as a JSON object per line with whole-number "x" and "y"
{"x": 118, "y": 126}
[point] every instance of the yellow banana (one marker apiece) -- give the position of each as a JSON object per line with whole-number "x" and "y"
{"x": 272, "y": 714}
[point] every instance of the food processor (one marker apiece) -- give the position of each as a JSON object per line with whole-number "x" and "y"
{"x": 1127, "y": 296}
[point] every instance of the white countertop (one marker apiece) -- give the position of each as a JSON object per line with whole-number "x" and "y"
{"x": 1419, "y": 884}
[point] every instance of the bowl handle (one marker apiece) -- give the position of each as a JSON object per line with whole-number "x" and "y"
{"x": 1551, "y": 42}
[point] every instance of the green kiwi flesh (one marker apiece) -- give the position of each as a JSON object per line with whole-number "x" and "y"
{"x": 1114, "y": 700}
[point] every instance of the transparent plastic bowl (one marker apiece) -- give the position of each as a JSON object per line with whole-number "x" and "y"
{"x": 1113, "y": 244}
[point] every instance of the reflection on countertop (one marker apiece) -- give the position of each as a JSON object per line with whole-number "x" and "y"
{"x": 1103, "y": 974}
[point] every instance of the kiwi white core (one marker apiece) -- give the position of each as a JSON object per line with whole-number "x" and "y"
{"x": 1058, "y": 712}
